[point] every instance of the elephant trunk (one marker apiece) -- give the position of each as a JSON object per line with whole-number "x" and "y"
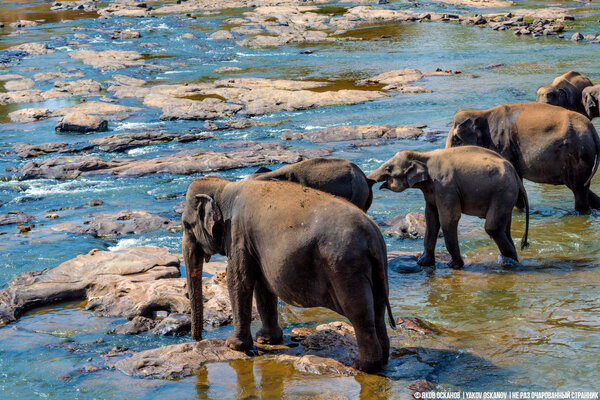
{"x": 193, "y": 258}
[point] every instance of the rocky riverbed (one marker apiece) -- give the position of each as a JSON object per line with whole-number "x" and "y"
{"x": 109, "y": 109}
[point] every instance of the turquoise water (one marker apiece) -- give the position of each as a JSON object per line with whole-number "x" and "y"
{"x": 540, "y": 323}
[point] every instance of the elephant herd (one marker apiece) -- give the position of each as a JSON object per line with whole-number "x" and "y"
{"x": 301, "y": 233}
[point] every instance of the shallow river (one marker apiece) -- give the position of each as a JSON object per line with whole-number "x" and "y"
{"x": 539, "y": 324}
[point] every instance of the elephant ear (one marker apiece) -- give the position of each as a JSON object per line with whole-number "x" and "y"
{"x": 466, "y": 132}
{"x": 591, "y": 105}
{"x": 567, "y": 98}
{"x": 208, "y": 213}
{"x": 416, "y": 173}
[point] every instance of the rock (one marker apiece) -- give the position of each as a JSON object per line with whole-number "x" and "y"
{"x": 29, "y": 115}
{"x": 356, "y": 132}
{"x": 221, "y": 70}
{"x": 117, "y": 223}
{"x": 23, "y": 24}
{"x": 32, "y": 49}
{"x": 175, "y": 108}
{"x": 80, "y": 122}
{"x": 406, "y": 261}
{"x": 94, "y": 203}
{"x": 318, "y": 365}
{"x": 52, "y": 216}
{"x": 174, "y": 325}
{"x": 25, "y": 228}
{"x": 129, "y": 35}
{"x": 84, "y": 87}
{"x": 86, "y": 369}
{"x": 411, "y": 225}
{"x": 177, "y": 361}
{"x": 183, "y": 162}
{"x": 136, "y": 325}
{"x": 15, "y": 217}
{"x": 415, "y": 324}
{"x": 420, "y": 386}
{"x": 109, "y": 59}
{"x": 125, "y": 141}
{"x": 577, "y": 37}
{"x": 19, "y": 84}
{"x": 28, "y": 150}
{"x": 188, "y": 35}
{"x": 125, "y": 283}
{"x": 222, "y": 35}
{"x": 124, "y": 80}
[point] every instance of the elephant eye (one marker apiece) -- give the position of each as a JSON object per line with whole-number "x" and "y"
{"x": 389, "y": 169}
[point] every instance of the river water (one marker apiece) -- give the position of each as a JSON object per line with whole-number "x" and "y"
{"x": 540, "y": 323}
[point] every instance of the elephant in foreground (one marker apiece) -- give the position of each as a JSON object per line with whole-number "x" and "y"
{"x": 591, "y": 101}
{"x": 465, "y": 180}
{"x": 565, "y": 91}
{"x": 545, "y": 144}
{"x": 332, "y": 175}
{"x": 287, "y": 241}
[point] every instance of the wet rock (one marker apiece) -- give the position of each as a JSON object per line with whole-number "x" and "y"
{"x": 86, "y": 369}
{"x": 117, "y": 223}
{"x": 406, "y": 261}
{"x": 174, "y": 325}
{"x": 83, "y": 87}
{"x": 125, "y": 141}
{"x": 125, "y": 283}
{"x": 96, "y": 108}
{"x": 222, "y": 70}
{"x": 28, "y": 150}
{"x": 23, "y": 23}
{"x": 217, "y": 307}
{"x": 411, "y": 225}
{"x": 356, "y": 132}
{"x": 94, "y": 203}
{"x": 80, "y": 122}
{"x": 109, "y": 59}
{"x": 415, "y": 324}
{"x": 52, "y": 216}
{"x": 32, "y": 49}
{"x": 312, "y": 364}
{"x": 184, "y": 162}
{"x": 177, "y": 361}
{"x": 136, "y": 325}
{"x": 577, "y": 37}
{"x": 176, "y": 108}
{"x": 299, "y": 334}
{"x": 15, "y": 217}
{"x": 25, "y": 228}
{"x": 420, "y": 386}
{"x": 124, "y": 80}
{"x": 127, "y": 35}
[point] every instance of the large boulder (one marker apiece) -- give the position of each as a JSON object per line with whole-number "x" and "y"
{"x": 80, "y": 122}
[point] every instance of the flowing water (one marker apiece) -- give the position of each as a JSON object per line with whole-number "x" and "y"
{"x": 539, "y": 323}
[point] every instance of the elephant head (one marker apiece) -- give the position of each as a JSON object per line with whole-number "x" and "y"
{"x": 203, "y": 236}
{"x": 556, "y": 96}
{"x": 591, "y": 98}
{"x": 469, "y": 127}
{"x": 404, "y": 170}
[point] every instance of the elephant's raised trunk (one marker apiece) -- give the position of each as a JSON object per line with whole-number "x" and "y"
{"x": 193, "y": 259}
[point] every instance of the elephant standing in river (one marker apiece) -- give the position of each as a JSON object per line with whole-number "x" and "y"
{"x": 284, "y": 240}
{"x": 469, "y": 180}
{"x": 332, "y": 175}
{"x": 545, "y": 144}
{"x": 565, "y": 91}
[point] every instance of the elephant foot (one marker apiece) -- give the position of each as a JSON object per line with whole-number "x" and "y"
{"x": 236, "y": 343}
{"x": 426, "y": 260}
{"x": 368, "y": 366}
{"x": 508, "y": 262}
{"x": 274, "y": 336}
{"x": 456, "y": 264}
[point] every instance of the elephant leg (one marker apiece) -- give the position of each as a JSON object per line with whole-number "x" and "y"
{"x": 266, "y": 303}
{"x": 582, "y": 200}
{"x": 432, "y": 229}
{"x": 356, "y": 303}
{"x": 497, "y": 225}
{"x": 380, "y": 327}
{"x": 449, "y": 225}
{"x": 241, "y": 277}
{"x": 594, "y": 200}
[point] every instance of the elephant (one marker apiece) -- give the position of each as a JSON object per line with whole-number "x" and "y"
{"x": 332, "y": 175}
{"x": 284, "y": 240}
{"x": 565, "y": 91}
{"x": 591, "y": 101}
{"x": 545, "y": 144}
{"x": 464, "y": 180}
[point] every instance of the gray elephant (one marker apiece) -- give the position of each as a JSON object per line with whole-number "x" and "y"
{"x": 565, "y": 91}
{"x": 465, "y": 180}
{"x": 287, "y": 241}
{"x": 332, "y": 175}
{"x": 545, "y": 144}
{"x": 591, "y": 101}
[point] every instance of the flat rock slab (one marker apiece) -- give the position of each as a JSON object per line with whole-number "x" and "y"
{"x": 109, "y": 59}
{"x": 184, "y": 162}
{"x": 80, "y": 122}
{"x": 129, "y": 282}
{"x": 15, "y": 217}
{"x": 118, "y": 223}
{"x": 357, "y": 132}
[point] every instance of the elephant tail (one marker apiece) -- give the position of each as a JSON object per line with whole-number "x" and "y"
{"x": 523, "y": 195}
{"x": 380, "y": 275}
{"x": 597, "y": 141}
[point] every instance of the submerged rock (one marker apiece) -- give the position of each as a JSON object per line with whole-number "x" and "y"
{"x": 137, "y": 325}
{"x": 15, "y": 217}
